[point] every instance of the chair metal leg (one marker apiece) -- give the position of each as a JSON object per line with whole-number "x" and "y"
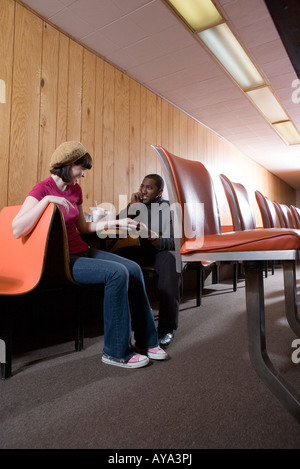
{"x": 5, "y": 363}
{"x": 216, "y": 273}
{"x": 5, "y": 344}
{"x": 235, "y": 276}
{"x": 266, "y": 269}
{"x": 199, "y": 280}
{"x": 257, "y": 343}
{"x": 290, "y": 289}
{"x": 273, "y": 267}
{"x": 79, "y": 329}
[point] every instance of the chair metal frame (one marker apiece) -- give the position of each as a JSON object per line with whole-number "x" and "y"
{"x": 253, "y": 261}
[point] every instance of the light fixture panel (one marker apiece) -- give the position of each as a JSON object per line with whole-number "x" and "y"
{"x": 288, "y": 132}
{"x": 226, "y": 48}
{"x": 199, "y": 14}
{"x": 266, "y": 102}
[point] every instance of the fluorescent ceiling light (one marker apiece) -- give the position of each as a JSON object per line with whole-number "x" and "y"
{"x": 265, "y": 100}
{"x": 223, "y": 44}
{"x": 288, "y": 132}
{"x": 199, "y": 14}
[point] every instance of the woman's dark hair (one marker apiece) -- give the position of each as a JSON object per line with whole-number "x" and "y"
{"x": 63, "y": 171}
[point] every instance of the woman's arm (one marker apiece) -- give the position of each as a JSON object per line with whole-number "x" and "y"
{"x": 31, "y": 212}
{"x": 85, "y": 227}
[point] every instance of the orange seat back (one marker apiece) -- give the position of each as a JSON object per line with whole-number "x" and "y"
{"x": 267, "y": 210}
{"x": 285, "y": 215}
{"x": 187, "y": 175}
{"x": 182, "y": 177}
{"x": 239, "y": 204}
{"x": 296, "y": 214}
{"x": 25, "y": 261}
{"x": 290, "y": 220}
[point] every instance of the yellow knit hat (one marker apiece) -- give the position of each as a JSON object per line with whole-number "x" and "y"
{"x": 67, "y": 153}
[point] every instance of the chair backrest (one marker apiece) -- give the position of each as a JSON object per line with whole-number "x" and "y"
{"x": 239, "y": 204}
{"x": 296, "y": 214}
{"x": 268, "y": 212}
{"x": 41, "y": 256}
{"x": 280, "y": 214}
{"x": 290, "y": 217}
{"x": 285, "y": 215}
{"x": 182, "y": 176}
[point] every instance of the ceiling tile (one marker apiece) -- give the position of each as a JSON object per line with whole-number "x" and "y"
{"x": 149, "y": 71}
{"x": 129, "y": 6}
{"x": 154, "y": 17}
{"x": 123, "y": 32}
{"x": 97, "y": 13}
{"x": 46, "y": 8}
{"x": 71, "y": 23}
{"x": 107, "y": 47}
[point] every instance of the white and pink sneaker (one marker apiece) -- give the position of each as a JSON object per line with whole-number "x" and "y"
{"x": 157, "y": 353}
{"x": 136, "y": 361}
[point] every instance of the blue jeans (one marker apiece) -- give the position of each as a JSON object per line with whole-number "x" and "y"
{"x": 125, "y": 300}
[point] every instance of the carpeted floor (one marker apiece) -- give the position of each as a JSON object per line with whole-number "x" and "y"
{"x": 206, "y": 395}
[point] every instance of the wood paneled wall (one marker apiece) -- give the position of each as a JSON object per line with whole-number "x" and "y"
{"x": 57, "y": 90}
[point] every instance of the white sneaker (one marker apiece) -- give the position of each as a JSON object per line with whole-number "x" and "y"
{"x": 136, "y": 361}
{"x": 157, "y": 353}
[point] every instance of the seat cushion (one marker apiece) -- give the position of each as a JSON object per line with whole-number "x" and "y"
{"x": 269, "y": 239}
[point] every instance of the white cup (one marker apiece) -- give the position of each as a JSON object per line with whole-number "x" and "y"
{"x": 110, "y": 215}
{"x": 97, "y": 213}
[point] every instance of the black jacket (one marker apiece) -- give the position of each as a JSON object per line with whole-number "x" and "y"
{"x": 157, "y": 217}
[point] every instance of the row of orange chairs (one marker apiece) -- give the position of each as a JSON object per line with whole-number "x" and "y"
{"x": 273, "y": 214}
{"x": 277, "y": 215}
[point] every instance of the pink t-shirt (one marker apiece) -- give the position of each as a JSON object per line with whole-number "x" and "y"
{"x": 74, "y": 195}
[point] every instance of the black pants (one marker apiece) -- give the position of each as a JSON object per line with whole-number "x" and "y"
{"x": 169, "y": 281}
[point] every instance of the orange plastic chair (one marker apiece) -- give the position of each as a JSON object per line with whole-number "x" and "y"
{"x": 190, "y": 183}
{"x": 267, "y": 210}
{"x": 38, "y": 260}
{"x": 241, "y": 209}
{"x": 296, "y": 214}
{"x": 239, "y": 204}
